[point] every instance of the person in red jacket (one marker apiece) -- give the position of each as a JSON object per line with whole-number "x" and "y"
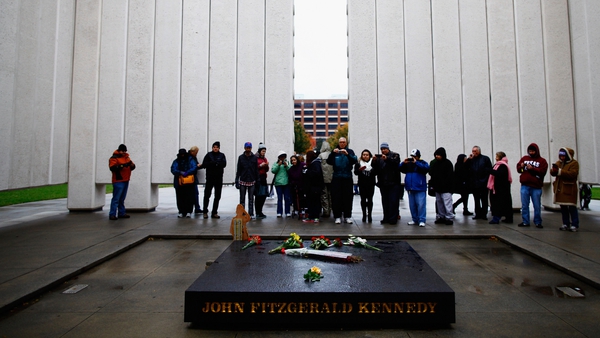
{"x": 121, "y": 166}
{"x": 532, "y": 168}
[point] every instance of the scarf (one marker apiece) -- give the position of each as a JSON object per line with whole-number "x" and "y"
{"x": 503, "y": 161}
{"x": 367, "y": 165}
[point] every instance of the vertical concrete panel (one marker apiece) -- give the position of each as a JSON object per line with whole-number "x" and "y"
{"x": 585, "y": 39}
{"x": 447, "y": 77}
{"x": 9, "y": 23}
{"x": 42, "y": 130}
{"x": 503, "y": 84}
{"x": 63, "y": 74}
{"x": 194, "y": 78}
{"x": 559, "y": 79}
{"x": 279, "y": 78}
{"x": 111, "y": 96}
{"x": 222, "y": 81}
{"x": 391, "y": 91}
{"x": 363, "y": 119}
{"x": 83, "y": 191}
{"x": 530, "y": 76}
{"x": 250, "y": 82}
{"x": 419, "y": 77}
{"x": 475, "y": 76}
{"x": 25, "y": 91}
{"x": 166, "y": 91}
{"x": 138, "y": 103}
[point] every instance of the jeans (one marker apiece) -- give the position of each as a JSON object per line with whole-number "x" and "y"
{"x": 417, "y": 201}
{"x": 250, "y": 191}
{"x": 118, "y": 199}
{"x": 283, "y": 195}
{"x": 535, "y": 195}
{"x": 570, "y": 210}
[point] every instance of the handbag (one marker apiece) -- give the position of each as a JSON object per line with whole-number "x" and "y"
{"x": 189, "y": 179}
{"x": 430, "y": 190}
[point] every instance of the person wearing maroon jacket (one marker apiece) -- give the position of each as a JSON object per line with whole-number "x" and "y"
{"x": 532, "y": 168}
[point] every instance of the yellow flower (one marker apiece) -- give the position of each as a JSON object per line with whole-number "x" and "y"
{"x": 295, "y": 236}
{"x": 315, "y": 270}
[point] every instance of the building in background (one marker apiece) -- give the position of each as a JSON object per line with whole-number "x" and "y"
{"x": 321, "y": 118}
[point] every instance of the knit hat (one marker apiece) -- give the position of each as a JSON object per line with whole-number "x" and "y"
{"x": 217, "y": 143}
{"x": 122, "y": 147}
{"x": 261, "y": 146}
{"x": 248, "y": 145}
{"x": 384, "y": 145}
{"x": 415, "y": 153}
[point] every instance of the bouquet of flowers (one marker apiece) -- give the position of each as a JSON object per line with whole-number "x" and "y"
{"x": 293, "y": 242}
{"x": 320, "y": 242}
{"x": 313, "y": 275}
{"x": 337, "y": 243}
{"x": 253, "y": 240}
{"x": 360, "y": 242}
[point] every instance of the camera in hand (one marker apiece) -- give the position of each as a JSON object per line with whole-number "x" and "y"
{"x": 410, "y": 159}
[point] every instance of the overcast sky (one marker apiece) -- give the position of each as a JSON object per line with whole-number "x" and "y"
{"x": 320, "y": 61}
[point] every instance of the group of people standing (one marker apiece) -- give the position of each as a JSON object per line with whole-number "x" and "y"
{"x": 322, "y": 183}
{"x": 186, "y": 165}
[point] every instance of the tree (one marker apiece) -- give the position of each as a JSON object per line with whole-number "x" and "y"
{"x": 302, "y": 140}
{"x": 342, "y": 131}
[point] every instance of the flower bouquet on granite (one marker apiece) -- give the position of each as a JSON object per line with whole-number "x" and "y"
{"x": 320, "y": 242}
{"x": 252, "y": 241}
{"x": 337, "y": 243}
{"x": 313, "y": 275}
{"x": 293, "y": 242}
{"x": 359, "y": 242}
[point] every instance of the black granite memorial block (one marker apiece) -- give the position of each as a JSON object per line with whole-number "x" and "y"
{"x": 252, "y": 289}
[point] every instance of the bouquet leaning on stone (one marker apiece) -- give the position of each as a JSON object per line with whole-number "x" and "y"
{"x": 293, "y": 242}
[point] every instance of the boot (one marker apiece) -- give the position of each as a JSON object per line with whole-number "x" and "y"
{"x": 364, "y": 213}
{"x": 370, "y": 211}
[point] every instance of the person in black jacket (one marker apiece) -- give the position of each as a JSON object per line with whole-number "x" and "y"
{"x": 214, "y": 162}
{"x": 366, "y": 183}
{"x": 388, "y": 180}
{"x": 313, "y": 185}
{"x": 246, "y": 176}
{"x": 499, "y": 183}
{"x": 442, "y": 179}
{"x": 461, "y": 184}
{"x": 480, "y": 168}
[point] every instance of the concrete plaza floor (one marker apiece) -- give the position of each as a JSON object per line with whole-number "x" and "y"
{"x": 137, "y": 270}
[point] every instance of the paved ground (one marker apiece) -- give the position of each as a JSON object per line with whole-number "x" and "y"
{"x": 137, "y": 270}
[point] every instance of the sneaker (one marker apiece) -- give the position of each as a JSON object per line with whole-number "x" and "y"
{"x": 422, "y": 224}
{"x": 522, "y": 225}
{"x": 449, "y": 222}
{"x": 411, "y": 223}
{"x": 279, "y": 215}
{"x": 467, "y": 213}
{"x": 316, "y": 220}
{"x": 198, "y": 211}
{"x": 308, "y": 220}
{"x": 112, "y": 218}
{"x": 338, "y": 221}
{"x": 564, "y": 227}
{"x": 180, "y": 215}
{"x": 440, "y": 221}
{"x": 573, "y": 228}
{"x": 539, "y": 226}
{"x": 349, "y": 220}
{"x": 187, "y": 215}
{"x": 217, "y": 216}
{"x": 261, "y": 216}
{"x": 252, "y": 217}
{"x": 288, "y": 215}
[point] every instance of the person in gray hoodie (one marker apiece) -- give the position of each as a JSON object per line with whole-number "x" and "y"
{"x": 327, "y": 175}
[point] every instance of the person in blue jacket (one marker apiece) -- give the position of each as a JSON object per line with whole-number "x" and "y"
{"x": 184, "y": 165}
{"x": 415, "y": 183}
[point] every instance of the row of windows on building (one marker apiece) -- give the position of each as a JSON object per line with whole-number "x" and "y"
{"x": 321, "y": 118}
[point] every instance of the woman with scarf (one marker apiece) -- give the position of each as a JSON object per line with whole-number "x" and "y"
{"x": 366, "y": 184}
{"x": 499, "y": 185}
{"x": 184, "y": 165}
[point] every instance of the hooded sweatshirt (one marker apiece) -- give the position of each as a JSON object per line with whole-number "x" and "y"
{"x": 121, "y": 166}
{"x": 533, "y": 177}
{"x": 327, "y": 168}
{"x": 441, "y": 172}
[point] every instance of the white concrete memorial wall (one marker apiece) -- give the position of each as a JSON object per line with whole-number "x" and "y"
{"x": 157, "y": 75}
